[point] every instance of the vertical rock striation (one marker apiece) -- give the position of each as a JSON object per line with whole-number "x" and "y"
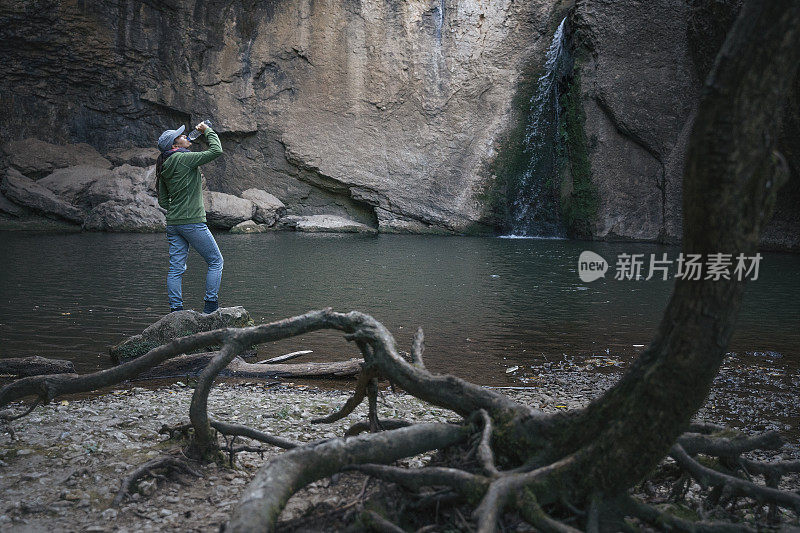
{"x": 641, "y": 69}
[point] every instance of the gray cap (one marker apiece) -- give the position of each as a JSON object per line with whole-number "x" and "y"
{"x": 167, "y": 138}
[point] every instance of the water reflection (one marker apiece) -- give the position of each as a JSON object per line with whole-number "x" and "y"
{"x": 485, "y": 304}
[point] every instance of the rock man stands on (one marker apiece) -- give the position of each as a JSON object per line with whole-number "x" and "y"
{"x": 179, "y": 186}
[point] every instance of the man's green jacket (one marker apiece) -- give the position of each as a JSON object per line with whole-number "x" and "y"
{"x": 180, "y": 189}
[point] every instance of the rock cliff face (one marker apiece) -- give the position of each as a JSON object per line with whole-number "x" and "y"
{"x": 640, "y": 67}
{"x": 384, "y": 112}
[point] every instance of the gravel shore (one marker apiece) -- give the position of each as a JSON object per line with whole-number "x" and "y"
{"x": 65, "y": 465}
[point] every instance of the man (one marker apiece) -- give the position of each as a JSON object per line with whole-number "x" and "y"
{"x": 179, "y": 186}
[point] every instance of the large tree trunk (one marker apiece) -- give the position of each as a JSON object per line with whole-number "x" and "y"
{"x": 731, "y": 179}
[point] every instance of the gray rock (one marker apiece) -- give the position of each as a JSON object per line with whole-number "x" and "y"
{"x": 389, "y": 222}
{"x": 324, "y": 224}
{"x": 412, "y": 115}
{"x": 225, "y": 210}
{"x": 36, "y": 159}
{"x": 26, "y": 192}
{"x": 268, "y": 209}
{"x": 117, "y": 216}
{"x": 73, "y": 183}
{"x": 7, "y": 207}
{"x": 87, "y": 187}
{"x": 138, "y": 157}
{"x": 178, "y": 324}
{"x": 639, "y": 89}
{"x": 248, "y": 226}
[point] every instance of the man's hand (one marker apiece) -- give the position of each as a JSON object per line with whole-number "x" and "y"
{"x": 202, "y": 127}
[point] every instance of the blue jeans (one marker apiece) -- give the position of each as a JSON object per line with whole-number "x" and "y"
{"x": 180, "y": 236}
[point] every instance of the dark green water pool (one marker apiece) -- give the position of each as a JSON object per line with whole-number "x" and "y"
{"x": 486, "y": 304}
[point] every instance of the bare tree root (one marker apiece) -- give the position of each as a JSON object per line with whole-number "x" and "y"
{"x": 484, "y": 449}
{"x": 364, "y": 377}
{"x": 375, "y": 522}
{"x": 275, "y": 483}
{"x": 237, "y": 430}
{"x": 182, "y": 430}
{"x": 666, "y": 521}
{"x": 466, "y": 484}
{"x": 694, "y": 443}
{"x": 708, "y": 476}
{"x": 532, "y": 513}
{"x": 165, "y": 462}
{"x": 7, "y": 416}
{"x": 385, "y": 423}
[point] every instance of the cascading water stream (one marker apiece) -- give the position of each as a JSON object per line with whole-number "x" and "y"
{"x": 535, "y": 204}
{"x": 439, "y": 18}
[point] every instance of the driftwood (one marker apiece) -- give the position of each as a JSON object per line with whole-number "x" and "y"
{"x": 193, "y": 364}
{"x": 35, "y": 366}
{"x": 284, "y": 357}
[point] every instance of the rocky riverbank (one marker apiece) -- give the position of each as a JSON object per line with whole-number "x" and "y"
{"x": 65, "y": 465}
{"x": 72, "y": 187}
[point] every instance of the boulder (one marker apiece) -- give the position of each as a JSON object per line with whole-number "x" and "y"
{"x": 7, "y": 207}
{"x": 268, "y": 208}
{"x": 72, "y": 184}
{"x": 325, "y": 224}
{"x": 87, "y": 187}
{"x": 389, "y": 222}
{"x": 179, "y": 324}
{"x": 137, "y": 157}
{"x": 36, "y": 159}
{"x": 225, "y": 210}
{"x": 117, "y": 216}
{"x": 248, "y": 226}
{"x": 26, "y": 192}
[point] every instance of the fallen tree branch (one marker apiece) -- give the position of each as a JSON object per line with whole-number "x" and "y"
{"x": 284, "y": 357}
{"x": 193, "y": 365}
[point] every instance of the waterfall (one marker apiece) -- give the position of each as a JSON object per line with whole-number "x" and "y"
{"x": 535, "y": 204}
{"x": 439, "y": 19}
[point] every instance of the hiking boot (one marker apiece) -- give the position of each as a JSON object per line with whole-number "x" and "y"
{"x": 173, "y": 309}
{"x": 210, "y": 306}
